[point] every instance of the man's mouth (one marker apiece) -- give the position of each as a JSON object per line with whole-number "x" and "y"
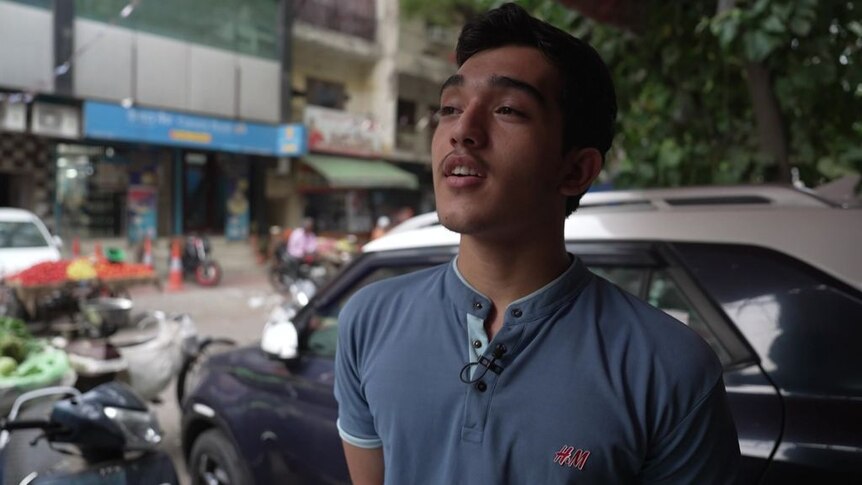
{"x": 462, "y": 170}
{"x": 462, "y": 166}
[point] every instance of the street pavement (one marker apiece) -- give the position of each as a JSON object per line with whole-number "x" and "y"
{"x": 237, "y": 309}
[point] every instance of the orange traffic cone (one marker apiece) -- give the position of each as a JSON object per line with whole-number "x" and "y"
{"x": 76, "y": 247}
{"x": 148, "y": 252}
{"x": 175, "y": 276}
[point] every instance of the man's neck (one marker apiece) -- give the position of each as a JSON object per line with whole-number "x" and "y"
{"x": 505, "y": 271}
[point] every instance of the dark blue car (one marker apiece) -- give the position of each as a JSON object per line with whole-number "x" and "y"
{"x": 788, "y": 333}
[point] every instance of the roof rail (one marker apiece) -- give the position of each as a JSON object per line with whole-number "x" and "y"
{"x": 751, "y": 196}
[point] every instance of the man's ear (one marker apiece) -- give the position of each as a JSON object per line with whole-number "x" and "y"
{"x": 580, "y": 167}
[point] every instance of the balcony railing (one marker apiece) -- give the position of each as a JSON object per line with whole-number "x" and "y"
{"x": 356, "y": 20}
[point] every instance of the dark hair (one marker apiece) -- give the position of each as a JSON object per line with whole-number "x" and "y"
{"x": 588, "y": 99}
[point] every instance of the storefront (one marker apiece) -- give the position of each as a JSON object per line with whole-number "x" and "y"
{"x": 345, "y": 195}
{"x": 29, "y": 133}
{"x": 344, "y": 183}
{"x": 172, "y": 173}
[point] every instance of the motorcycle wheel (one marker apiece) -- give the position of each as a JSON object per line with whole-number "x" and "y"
{"x": 214, "y": 460}
{"x": 208, "y": 273}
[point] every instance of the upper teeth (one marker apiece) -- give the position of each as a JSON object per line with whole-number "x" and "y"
{"x": 462, "y": 170}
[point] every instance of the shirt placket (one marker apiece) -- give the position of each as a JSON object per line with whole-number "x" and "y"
{"x": 481, "y": 391}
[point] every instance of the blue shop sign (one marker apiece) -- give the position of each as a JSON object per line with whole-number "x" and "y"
{"x": 106, "y": 121}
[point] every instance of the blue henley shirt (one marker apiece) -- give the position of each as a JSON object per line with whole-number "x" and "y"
{"x": 596, "y": 386}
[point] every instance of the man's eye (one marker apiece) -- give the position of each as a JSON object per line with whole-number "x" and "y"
{"x": 446, "y": 111}
{"x": 506, "y": 110}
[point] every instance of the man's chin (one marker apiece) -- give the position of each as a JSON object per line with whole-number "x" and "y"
{"x": 462, "y": 223}
{"x": 453, "y": 222}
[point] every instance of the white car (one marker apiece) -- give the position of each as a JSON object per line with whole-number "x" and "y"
{"x": 800, "y": 224}
{"x": 428, "y": 219}
{"x": 24, "y": 241}
{"x": 770, "y": 277}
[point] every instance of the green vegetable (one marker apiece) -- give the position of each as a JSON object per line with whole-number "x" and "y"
{"x": 15, "y": 327}
{"x": 15, "y": 339}
{"x": 7, "y": 365}
{"x": 13, "y": 346}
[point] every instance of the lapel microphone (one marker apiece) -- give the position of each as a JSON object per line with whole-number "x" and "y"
{"x": 488, "y": 364}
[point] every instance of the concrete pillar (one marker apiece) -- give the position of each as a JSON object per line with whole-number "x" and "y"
{"x": 384, "y": 75}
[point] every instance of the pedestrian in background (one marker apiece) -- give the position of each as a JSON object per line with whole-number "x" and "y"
{"x": 302, "y": 243}
{"x": 380, "y": 229}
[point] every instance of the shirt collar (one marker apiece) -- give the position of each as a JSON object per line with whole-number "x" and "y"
{"x": 535, "y": 305}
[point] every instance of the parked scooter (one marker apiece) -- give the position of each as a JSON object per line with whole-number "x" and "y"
{"x": 198, "y": 263}
{"x": 106, "y": 435}
{"x": 147, "y": 358}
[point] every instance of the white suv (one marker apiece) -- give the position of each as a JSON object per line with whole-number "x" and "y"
{"x": 770, "y": 277}
{"x": 24, "y": 241}
{"x": 788, "y": 220}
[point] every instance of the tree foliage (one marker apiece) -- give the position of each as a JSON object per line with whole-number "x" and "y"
{"x": 685, "y": 109}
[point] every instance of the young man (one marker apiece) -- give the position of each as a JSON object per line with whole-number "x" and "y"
{"x": 568, "y": 379}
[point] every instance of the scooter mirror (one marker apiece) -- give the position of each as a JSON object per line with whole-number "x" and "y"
{"x": 280, "y": 340}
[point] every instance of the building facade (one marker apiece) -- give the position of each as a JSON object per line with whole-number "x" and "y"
{"x": 219, "y": 116}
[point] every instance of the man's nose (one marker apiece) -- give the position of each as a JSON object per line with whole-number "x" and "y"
{"x": 470, "y": 130}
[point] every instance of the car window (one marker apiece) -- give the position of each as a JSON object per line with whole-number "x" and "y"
{"x": 323, "y": 322}
{"x": 629, "y": 279}
{"x": 665, "y": 294}
{"x": 21, "y": 234}
{"x": 803, "y": 323}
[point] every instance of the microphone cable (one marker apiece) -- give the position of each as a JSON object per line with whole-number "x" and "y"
{"x": 488, "y": 364}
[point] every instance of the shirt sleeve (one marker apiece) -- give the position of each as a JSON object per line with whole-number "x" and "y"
{"x": 355, "y": 421}
{"x": 703, "y": 448}
{"x": 294, "y": 243}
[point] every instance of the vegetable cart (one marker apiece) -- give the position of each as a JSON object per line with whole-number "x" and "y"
{"x": 52, "y": 289}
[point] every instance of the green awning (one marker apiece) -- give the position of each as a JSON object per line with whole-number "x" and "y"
{"x": 356, "y": 173}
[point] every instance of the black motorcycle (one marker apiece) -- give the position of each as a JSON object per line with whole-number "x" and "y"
{"x": 106, "y": 435}
{"x": 197, "y": 261}
{"x": 298, "y": 279}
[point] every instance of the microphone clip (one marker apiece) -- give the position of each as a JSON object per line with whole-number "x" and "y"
{"x": 488, "y": 364}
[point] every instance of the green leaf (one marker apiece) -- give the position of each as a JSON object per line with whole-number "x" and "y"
{"x": 758, "y": 45}
{"x": 670, "y": 154}
{"x": 702, "y": 25}
{"x": 774, "y": 25}
{"x": 800, "y": 26}
{"x": 759, "y": 7}
{"x": 726, "y": 30}
{"x": 782, "y": 11}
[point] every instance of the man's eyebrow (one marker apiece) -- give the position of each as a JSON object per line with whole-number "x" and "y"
{"x": 453, "y": 81}
{"x": 512, "y": 83}
{"x": 496, "y": 80}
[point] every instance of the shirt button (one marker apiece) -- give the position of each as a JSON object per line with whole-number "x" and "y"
{"x": 477, "y": 305}
{"x": 477, "y": 344}
{"x": 481, "y": 386}
{"x": 517, "y": 313}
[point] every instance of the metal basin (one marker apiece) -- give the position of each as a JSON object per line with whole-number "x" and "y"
{"x": 107, "y": 315}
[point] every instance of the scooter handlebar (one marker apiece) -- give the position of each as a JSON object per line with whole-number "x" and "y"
{"x": 30, "y": 424}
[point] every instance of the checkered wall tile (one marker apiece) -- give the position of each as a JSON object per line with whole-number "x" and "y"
{"x": 28, "y": 154}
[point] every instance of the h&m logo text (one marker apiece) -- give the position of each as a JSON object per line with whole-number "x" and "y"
{"x": 572, "y": 458}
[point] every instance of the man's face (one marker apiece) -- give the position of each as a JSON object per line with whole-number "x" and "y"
{"x": 497, "y": 151}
